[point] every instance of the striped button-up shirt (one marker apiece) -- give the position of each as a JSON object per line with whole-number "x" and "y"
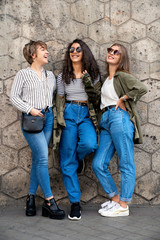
{"x": 29, "y": 91}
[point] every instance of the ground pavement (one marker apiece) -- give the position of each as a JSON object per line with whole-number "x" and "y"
{"x": 142, "y": 224}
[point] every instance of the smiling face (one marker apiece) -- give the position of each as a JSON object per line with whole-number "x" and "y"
{"x": 41, "y": 55}
{"x": 113, "y": 55}
{"x": 76, "y": 56}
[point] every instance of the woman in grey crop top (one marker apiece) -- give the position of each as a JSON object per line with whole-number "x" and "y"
{"x": 79, "y": 138}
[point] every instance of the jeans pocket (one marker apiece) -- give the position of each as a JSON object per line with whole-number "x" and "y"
{"x": 67, "y": 105}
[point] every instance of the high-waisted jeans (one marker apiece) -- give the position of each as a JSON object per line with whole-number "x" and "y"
{"x": 78, "y": 139}
{"x": 38, "y": 143}
{"x": 117, "y": 132}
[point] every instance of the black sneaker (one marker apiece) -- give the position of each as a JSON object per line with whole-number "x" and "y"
{"x": 75, "y": 213}
{"x": 81, "y": 166}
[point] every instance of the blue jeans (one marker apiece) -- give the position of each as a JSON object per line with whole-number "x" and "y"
{"x": 78, "y": 139}
{"x": 116, "y": 135}
{"x": 38, "y": 143}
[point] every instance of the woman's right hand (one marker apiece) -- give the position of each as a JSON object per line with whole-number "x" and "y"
{"x": 35, "y": 112}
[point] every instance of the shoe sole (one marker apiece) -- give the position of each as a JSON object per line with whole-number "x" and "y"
{"x": 29, "y": 214}
{"x": 74, "y": 218}
{"x": 121, "y": 214}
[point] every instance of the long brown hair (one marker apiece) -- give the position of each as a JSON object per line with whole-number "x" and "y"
{"x": 124, "y": 60}
{"x": 88, "y": 63}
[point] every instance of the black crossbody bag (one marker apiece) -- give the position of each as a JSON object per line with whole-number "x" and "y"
{"x": 34, "y": 124}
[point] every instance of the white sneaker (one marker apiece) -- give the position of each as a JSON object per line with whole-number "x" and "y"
{"x": 115, "y": 211}
{"x": 106, "y": 205}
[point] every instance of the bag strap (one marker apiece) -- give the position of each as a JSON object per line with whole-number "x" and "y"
{"x": 46, "y": 95}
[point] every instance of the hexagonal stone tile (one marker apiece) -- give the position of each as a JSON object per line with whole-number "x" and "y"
{"x": 153, "y": 30}
{"x": 101, "y": 191}
{"x": 30, "y": 29}
{"x": 57, "y": 185}
{"x": 154, "y": 112}
{"x": 15, "y": 183}
{"x": 150, "y": 10}
{"x": 113, "y": 165}
{"x": 9, "y": 116}
{"x": 3, "y": 46}
{"x": 8, "y": 159}
{"x": 138, "y": 200}
{"x": 10, "y": 26}
{"x": 148, "y": 186}
{"x": 103, "y": 1}
{"x": 72, "y": 30}
{"x": 151, "y": 138}
{"x": 131, "y": 31}
{"x": 156, "y": 201}
{"x": 144, "y": 49}
{"x": 0, "y": 136}
{"x": 153, "y": 87}
{"x": 156, "y": 161}
{"x": 139, "y": 69}
{"x": 22, "y": 10}
{"x": 82, "y": 11}
{"x": 155, "y": 70}
{"x": 102, "y": 32}
{"x": 1, "y": 87}
{"x": 15, "y": 48}
{"x": 88, "y": 171}
{"x": 94, "y": 47}
{"x": 98, "y": 200}
{"x": 142, "y": 162}
{"x": 142, "y": 111}
{"x": 8, "y": 85}
{"x": 54, "y": 12}
{"x": 120, "y": 11}
{"x": 25, "y": 158}
{"x": 9, "y": 67}
{"x": 56, "y": 50}
{"x": 3, "y": 200}
{"x": 88, "y": 188}
{"x": 13, "y": 137}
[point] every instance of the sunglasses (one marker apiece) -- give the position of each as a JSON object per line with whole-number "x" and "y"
{"x": 112, "y": 51}
{"x": 78, "y": 49}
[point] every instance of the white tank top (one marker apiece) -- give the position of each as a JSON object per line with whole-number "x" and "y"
{"x": 108, "y": 94}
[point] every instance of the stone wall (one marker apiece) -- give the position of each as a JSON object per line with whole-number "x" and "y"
{"x": 99, "y": 23}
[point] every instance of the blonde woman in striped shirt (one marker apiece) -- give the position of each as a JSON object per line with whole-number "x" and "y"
{"x": 32, "y": 91}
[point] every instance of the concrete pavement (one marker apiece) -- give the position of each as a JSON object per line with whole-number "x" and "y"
{"x": 142, "y": 224}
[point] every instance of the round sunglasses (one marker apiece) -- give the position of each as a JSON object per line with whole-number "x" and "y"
{"x": 78, "y": 49}
{"x": 112, "y": 51}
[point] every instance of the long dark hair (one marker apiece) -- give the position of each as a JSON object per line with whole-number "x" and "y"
{"x": 124, "y": 60}
{"x": 88, "y": 63}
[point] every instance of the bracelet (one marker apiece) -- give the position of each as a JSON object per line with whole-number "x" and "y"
{"x": 124, "y": 100}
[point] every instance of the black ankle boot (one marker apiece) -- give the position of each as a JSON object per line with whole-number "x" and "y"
{"x": 50, "y": 209}
{"x": 30, "y": 205}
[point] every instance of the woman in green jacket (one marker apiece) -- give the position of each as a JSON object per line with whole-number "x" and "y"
{"x": 120, "y": 128}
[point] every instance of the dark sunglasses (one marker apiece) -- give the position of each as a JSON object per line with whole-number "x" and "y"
{"x": 112, "y": 51}
{"x": 78, "y": 49}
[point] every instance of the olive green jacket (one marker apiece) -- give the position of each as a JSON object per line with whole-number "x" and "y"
{"x": 124, "y": 84}
{"x": 93, "y": 92}
{"x": 127, "y": 84}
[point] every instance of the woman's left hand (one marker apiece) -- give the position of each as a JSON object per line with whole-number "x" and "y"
{"x": 84, "y": 72}
{"x": 121, "y": 104}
